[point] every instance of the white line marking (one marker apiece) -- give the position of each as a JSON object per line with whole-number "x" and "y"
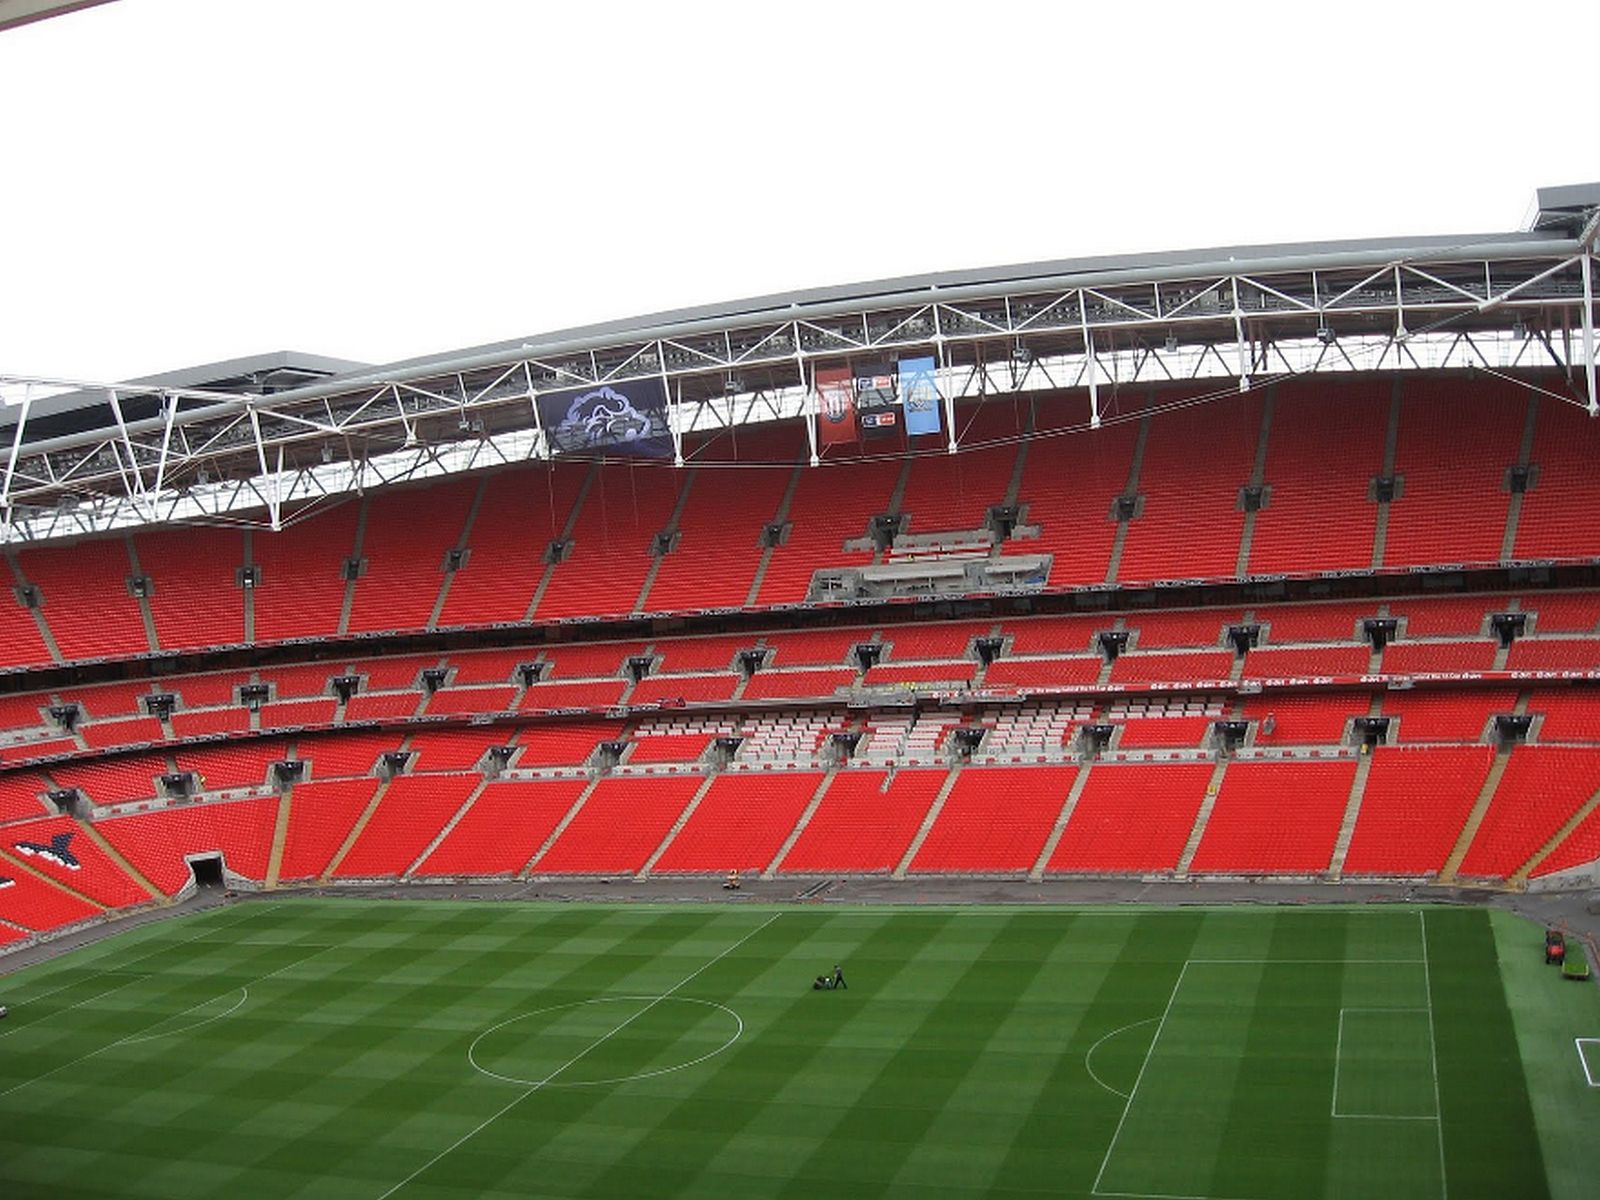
{"x": 1144, "y": 1066}
{"x": 133, "y": 1037}
{"x": 1433, "y": 1052}
{"x": 1089, "y": 1054}
{"x": 595, "y": 1045}
{"x": 70, "y": 1007}
{"x": 244, "y": 996}
{"x": 1583, "y": 1058}
{"x": 738, "y": 1032}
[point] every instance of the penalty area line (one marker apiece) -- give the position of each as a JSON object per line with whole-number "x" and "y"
{"x": 592, "y": 1046}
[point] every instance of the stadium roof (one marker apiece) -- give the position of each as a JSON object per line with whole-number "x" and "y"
{"x": 255, "y": 438}
{"x": 25, "y": 12}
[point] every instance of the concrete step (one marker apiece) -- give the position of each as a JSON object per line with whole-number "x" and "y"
{"x": 280, "y": 835}
{"x": 567, "y": 527}
{"x": 1508, "y": 540}
{"x": 1258, "y": 473}
{"x": 800, "y": 825}
{"x": 1480, "y": 807}
{"x": 1060, "y": 827}
{"x": 1131, "y": 489}
{"x": 1380, "y": 536}
{"x": 766, "y": 554}
{"x": 683, "y": 819}
{"x": 1352, "y": 812}
{"x": 1200, "y": 818}
{"x": 117, "y": 857}
{"x": 673, "y": 521}
{"x": 462, "y": 543}
{"x": 472, "y": 798}
{"x": 145, "y": 615}
{"x": 350, "y": 584}
{"x": 934, "y": 810}
{"x": 355, "y": 831}
{"x": 561, "y": 826}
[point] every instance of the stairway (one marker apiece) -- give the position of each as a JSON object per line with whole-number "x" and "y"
{"x": 280, "y": 835}
{"x": 1380, "y": 535}
{"x": 1213, "y": 789}
{"x": 1131, "y": 489}
{"x": 462, "y": 543}
{"x": 1258, "y": 476}
{"x": 1508, "y": 541}
{"x": 778, "y": 518}
{"x": 672, "y": 525}
{"x": 683, "y": 819}
{"x": 1060, "y": 827}
{"x": 349, "y": 600}
{"x": 1519, "y": 877}
{"x": 1452, "y": 864}
{"x": 145, "y": 614}
{"x": 455, "y": 820}
{"x": 117, "y": 857}
{"x": 934, "y": 810}
{"x": 355, "y": 832}
{"x": 567, "y": 527}
{"x": 800, "y": 825}
{"x": 1352, "y": 812}
{"x": 561, "y": 827}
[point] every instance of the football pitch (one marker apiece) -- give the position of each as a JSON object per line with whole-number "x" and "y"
{"x": 372, "y": 1049}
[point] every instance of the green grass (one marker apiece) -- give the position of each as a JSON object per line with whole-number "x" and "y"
{"x": 348, "y": 1048}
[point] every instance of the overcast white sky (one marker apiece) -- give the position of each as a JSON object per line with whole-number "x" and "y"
{"x": 187, "y": 180}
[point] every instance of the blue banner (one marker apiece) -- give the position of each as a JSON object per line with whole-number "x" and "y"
{"x": 919, "y": 394}
{"x": 628, "y": 418}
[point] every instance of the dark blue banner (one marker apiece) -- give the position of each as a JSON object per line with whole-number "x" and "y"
{"x": 614, "y": 418}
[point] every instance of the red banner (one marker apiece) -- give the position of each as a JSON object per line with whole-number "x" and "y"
{"x": 836, "y": 406}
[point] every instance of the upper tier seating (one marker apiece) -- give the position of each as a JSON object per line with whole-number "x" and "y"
{"x": 714, "y": 562}
{"x": 302, "y": 585}
{"x": 1195, "y": 461}
{"x": 619, "y": 515}
{"x": 521, "y": 512}
{"x": 1457, "y": 439}
{"x": 404, "y": 540}
{"x": 84, "y": 597}
{"x": 1559, "y": 518}
{"x": 195, "y": 598}
{"x": 1323, "y": 450}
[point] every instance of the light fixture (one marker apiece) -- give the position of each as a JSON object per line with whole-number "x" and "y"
{"x": 1326, "y": 336}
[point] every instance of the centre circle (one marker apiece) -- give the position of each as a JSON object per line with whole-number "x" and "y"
{"x": 609, "y": 1039}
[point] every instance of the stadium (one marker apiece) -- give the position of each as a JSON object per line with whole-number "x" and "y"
{"x": 444, "y": 778}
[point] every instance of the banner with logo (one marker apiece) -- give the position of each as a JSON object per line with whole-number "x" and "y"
{"x": 836, "y": 406}
{"x": 626, "y": 418}
{"x": 919, "y": 395}
{"x": 877, "y": 406}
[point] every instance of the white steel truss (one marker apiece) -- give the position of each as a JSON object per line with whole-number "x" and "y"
{"x": 182, "y": 455}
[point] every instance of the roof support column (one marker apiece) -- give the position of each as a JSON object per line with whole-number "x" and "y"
{"x": 948, "y": 392}
{"x": 274, "y": 492}
{"x": 533, "y": 405}
{"x": 1238, "y": 333}
{"x": 1091, "y": 368}
{"x": 1588, "y": 332}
